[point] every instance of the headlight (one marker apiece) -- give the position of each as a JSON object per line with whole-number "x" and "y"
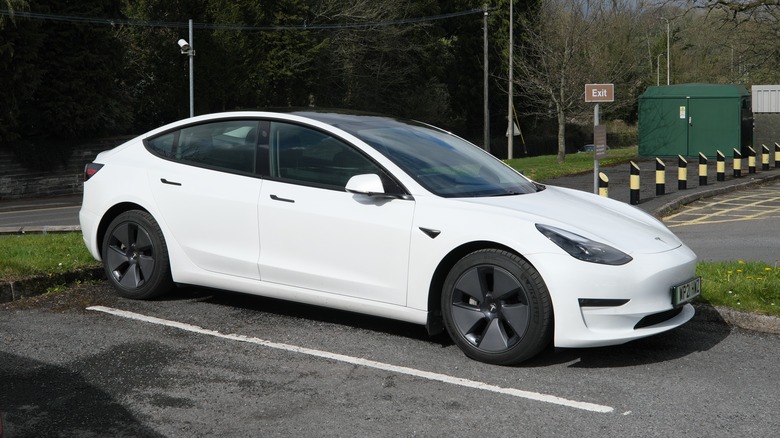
{"x": 584, "y": 249}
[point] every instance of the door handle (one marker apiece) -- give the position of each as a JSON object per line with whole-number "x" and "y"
{"x": 276, "y": 198}
{"x": 172, "y": 183}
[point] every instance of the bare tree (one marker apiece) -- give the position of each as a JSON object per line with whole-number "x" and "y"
{"x": 571, "y": 43}
{"x": 752, "y": 28}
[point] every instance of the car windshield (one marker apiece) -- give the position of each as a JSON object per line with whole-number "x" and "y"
{"x": 444, "y": 164}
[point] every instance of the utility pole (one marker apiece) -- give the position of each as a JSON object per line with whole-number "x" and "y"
{"x": 485, "y": 109}
{"x": 510, "y": 133}
{"x": 192, "y": 73}
{"x": 668, "y": 54}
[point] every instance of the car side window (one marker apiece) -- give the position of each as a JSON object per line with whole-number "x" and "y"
{"x": 231, "y": 145}
{"x": 308, "y": 156}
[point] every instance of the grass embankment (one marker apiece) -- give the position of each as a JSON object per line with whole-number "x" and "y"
{"x": 33, "y": 255}
{"x": 747, "y": 286}
{"x": 752, "y": 286}
{"x": 547, "y": 166}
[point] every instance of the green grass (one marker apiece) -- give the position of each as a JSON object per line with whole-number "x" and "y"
{"x": 32, "y": 255}
{"x": 747, "y": 286}
{"x": 547, "y": 166}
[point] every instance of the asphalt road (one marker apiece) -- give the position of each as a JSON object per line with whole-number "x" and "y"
{"x": 40, "y": 212}
{"x": 233, "y": 365}
{"x": 736, "y": 226}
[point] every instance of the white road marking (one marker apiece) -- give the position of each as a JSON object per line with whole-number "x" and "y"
{"x": 362, "y": 362}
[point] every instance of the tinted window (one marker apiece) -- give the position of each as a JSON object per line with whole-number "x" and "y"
{"x": 312, "y": 157}
{"x": 228, "y": 145}
{"x": 444, "y": 164}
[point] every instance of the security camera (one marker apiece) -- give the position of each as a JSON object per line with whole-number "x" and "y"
{"x": 184, "y": 45}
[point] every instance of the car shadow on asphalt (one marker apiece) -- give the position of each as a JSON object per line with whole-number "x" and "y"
{"x": 306, "y": 311}
{"x": 700, "y": 334}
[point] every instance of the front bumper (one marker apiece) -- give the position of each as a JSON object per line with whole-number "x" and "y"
{"x": 598, "y": 305}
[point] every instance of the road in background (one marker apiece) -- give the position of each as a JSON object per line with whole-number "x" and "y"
{"x": 40, "y": 212}
{"x": 743, "y": 225}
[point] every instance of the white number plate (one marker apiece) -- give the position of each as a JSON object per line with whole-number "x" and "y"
{"x": 686, "y": 292}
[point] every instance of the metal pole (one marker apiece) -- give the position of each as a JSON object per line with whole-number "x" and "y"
{"x": 668, "y": 54}
{"x": 485, "y": 109}
{"x": 595, "y": 160}
{"x": 511, "y": 130}
{"x": 192, "y": 73}
{"x": 658, "y": 69}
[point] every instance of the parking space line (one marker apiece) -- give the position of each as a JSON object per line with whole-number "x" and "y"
{"x": 443, "y": 378}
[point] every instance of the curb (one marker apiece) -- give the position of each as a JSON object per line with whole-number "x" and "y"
{"x": 30, "y": 287}
{"x": 49, "y": 229}
{"x": 744, "y": 320}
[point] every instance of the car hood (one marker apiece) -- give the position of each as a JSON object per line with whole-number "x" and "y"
{"x": 605, "y": 220}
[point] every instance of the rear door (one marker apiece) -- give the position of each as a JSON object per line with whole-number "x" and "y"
{"x": 207, "y": 190}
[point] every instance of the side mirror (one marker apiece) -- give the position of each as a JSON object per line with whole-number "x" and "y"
{"x": 368, "y": 184}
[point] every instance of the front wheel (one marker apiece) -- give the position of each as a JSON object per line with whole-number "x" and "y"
{"x": 496, "y": 307}
{"x": 135, "y": 257}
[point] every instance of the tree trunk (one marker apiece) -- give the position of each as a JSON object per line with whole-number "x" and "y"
{"x": 561, "y": 135}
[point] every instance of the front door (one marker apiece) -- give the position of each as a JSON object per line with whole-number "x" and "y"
{"x": 317, "y": 236}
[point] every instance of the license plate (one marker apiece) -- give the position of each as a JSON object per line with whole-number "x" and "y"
{"x": 686, "y": 292}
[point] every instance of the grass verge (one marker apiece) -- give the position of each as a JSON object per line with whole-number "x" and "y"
{"x": 32, "y": 255}
{"x": 547, "y": 166}
{"x": 746, "y": 286}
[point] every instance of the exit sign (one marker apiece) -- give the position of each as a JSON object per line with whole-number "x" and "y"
{"x": 599, "y": 92}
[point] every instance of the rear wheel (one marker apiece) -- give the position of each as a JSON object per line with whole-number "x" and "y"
{"x": 496, "y": 307}
{"x": 135, "y": 257}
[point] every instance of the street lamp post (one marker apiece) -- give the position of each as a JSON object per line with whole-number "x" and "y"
{"x": 187, "y": 49}
{"x": 510, "y": 131}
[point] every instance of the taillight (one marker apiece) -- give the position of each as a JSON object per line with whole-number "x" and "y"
{"x": 91, "y": 169}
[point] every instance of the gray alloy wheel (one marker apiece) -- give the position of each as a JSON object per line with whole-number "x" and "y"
{"x": 135, "y": 257}
{"x": 496, "y": 307}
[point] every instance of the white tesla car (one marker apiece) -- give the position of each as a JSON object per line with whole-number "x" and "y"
{"x": 385, "y": 217}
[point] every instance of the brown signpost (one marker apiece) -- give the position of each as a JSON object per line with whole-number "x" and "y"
{"x": 599, "y": 92}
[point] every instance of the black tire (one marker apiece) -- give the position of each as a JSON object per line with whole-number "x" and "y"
{"x": 135, "y": 256}
{"x": 496, "y": 307}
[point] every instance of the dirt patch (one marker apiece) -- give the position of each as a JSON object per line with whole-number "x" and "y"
{"x": 77, "y": 296}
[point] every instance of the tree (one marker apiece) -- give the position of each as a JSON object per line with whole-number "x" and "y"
{"x": 570, "y": 43}
{"x": 372, "y": 64}
{"x": 747, "y": 31}
{"x": 65, "y": 76}
{"x": 17, "y": 69}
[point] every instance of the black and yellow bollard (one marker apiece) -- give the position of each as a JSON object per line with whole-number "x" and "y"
{"x": 702, "y": 169}
{"x": 751, "y": 160}
{"x": 682, "y": 173}
{"x": 764, "y": 157}
{"x": 635, "y": 184}
{"x": 721, "y": 167}
{"x": 737, "y": 163}
{"x": 603, "y": 185}
{"x": 660, "y": 177}
{"x": 777, "y": 155}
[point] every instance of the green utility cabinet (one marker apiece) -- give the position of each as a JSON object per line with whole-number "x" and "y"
{"x": 687, "y": 119}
